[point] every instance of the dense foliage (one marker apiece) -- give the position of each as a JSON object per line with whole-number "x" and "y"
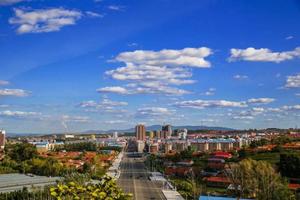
{"x": 258, "y": 179}
{"x": 21, "y": 151}
{"x": 289, "y": 165}
{"x": 81, "y": 146}
{"x": 106, "y": 189}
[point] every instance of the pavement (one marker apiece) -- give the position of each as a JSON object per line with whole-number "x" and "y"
{"x": 134, "y": 179}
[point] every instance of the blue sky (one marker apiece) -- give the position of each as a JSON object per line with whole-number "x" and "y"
{"x": 74, "y": 65}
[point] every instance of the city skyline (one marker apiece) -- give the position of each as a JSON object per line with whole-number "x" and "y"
{"x": 100, "y": 65}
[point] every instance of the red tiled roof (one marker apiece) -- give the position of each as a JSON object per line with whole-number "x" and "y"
{"x": 294, "y": 186}
{"x": 217, "y": 179}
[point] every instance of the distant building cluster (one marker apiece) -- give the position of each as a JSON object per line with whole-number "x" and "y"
{"x": 166, "y": 140}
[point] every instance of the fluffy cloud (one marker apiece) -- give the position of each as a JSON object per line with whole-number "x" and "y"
{"x": 192, "y": 57}
{"x": 150, "y": 73}
{"x": 260, "y": 100}
{"x": 105, "y": 105}
{"x": 159, "y": 71}
{"x": 293, "y": 81}
{"x": 19, "y": 114}
{"x": 9, "y": 2}
{"x": 262, "y": 55}
{"x": 154, "y": 111}
{"x": 240, "y": 77}
{"x": 292, "y": 108}
{"x": 44, "y": 20}
{"x": 14, "y": 92}
{"x": 200, "y": 104}
{"x": 113, "y": 89}
{"x": 104, "y": 102}
{"x": 4, "y": 82}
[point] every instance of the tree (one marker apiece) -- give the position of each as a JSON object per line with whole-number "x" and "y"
{"x": 21, "y": 151}
{"x": 105, "y": 189}
{"x": 289, "y": 165}
{"x": 258, "y": 179}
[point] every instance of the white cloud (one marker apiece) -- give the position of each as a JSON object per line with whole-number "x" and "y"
{"x": 200, "y": 104}
{"x": 289, "y": 37}
{"x": 19, "y": 114}
{"x": 2, "y": 82}
{"x": 68, "y": 118}
{"x": 113, "y": 89}
{"x": 260, "y": 100}
{"x": 154, "y": 111}
{"x": 293, "y": 107}
{"x": 293, "y": 81}
{"x": 132, "y": 44}
{"x": 240, "y": 77}
{"x": 192, "y": 57}
{"x": 14, "y": 92}
{"x": 115, "y": 122}
{"x": 115, "y": 7}
{"x": 93, "y": 14}
{"x": 242, "y": 117}
{"x": 209, "y": 92}
{"x": 262, "y": 55}
{"x": 157, "y": 72}
{"x": 274, "y": 110}
{"x": 150, "y": 73}
{"x": 297, "y": 94}
{"x": 9, "y": 2}
{"x": 44, "y": 20}
{"x": 105, "y": 105}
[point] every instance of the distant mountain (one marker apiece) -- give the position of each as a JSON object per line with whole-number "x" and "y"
{"x": 149, "y": 128}
{"x": 158, "y": 127}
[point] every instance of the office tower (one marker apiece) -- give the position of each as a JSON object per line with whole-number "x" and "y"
{"x": 157, "y": 134}
{"x": 2, "y": 139}
{"x": 167, "y": 131}
{"x": 140, "y": 132}
{"x": 115, "y": 135}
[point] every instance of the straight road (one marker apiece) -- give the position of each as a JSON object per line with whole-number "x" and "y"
{"x": 134, "y": 179}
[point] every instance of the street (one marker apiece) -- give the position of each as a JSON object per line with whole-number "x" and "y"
{"x": 134, "y": 179}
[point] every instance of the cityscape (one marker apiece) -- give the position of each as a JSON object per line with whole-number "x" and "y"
{"x": 149, "y": 100}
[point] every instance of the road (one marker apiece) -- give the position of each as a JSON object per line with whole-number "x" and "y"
{"x": 134, "y": 179}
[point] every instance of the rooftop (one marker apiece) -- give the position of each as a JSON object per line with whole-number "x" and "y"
{"x": 13, "y": 182}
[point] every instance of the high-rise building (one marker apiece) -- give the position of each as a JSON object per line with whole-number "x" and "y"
{"x": 140, "y": 132}
{"x": 157, "y": 134}
{"x": 115, "y": 135}
{"x": 151, "y": 135}
{"x": 167, "y": 131}
{"x": 2, "y": 139}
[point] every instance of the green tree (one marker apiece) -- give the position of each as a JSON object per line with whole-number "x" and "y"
{"x": 289, "y": 165}
{"x": 258, "y": 179}
{"x": 21, "y": 151}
